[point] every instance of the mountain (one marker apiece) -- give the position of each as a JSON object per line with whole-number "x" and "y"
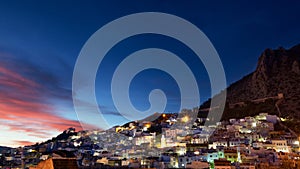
{"x": 277, "y": 72}
{"x": 4, "y": 148}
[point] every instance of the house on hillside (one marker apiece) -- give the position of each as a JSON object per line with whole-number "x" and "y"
{"x": 57, "y": 163}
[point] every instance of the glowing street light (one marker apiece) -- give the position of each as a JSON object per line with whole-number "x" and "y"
{"x": 185, "y": 119}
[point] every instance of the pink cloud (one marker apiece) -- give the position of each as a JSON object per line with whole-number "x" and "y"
{"x": 24, "y": 108}
{"x": 23, "y": 143}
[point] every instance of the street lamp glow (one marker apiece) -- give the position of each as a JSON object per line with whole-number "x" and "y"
{"x": 185, "y": 119}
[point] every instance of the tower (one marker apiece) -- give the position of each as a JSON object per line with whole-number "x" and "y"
{"x": 239, "y": 155}
{"x": 163, "y": 141}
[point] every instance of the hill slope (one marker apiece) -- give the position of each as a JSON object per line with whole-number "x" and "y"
{"x": 277, "y": 71}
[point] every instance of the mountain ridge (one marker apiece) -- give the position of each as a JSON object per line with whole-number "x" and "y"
{"x": 277, "y": 72}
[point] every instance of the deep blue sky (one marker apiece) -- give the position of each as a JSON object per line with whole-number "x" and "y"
{"x": 41, "y": 40}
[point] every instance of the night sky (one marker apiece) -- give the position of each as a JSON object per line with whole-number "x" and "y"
{"x": 40, "y": 42}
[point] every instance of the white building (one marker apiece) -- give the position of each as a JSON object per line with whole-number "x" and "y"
{"x": 216, "y": 144}
{"x": 281, "y": 146}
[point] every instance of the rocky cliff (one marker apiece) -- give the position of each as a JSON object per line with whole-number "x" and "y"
{"x": 277, "y": 71}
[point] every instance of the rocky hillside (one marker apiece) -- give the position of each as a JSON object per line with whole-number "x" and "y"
{"x": 277, "y": 71}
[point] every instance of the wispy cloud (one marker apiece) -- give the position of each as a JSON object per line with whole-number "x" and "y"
{"x": 25, "y": 92}
{"x": 20, "y": 142}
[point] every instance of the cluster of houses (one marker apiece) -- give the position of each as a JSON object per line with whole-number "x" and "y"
{"x": 248, "y": 143}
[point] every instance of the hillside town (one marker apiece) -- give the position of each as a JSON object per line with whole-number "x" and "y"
{"x": 247, "y": 143}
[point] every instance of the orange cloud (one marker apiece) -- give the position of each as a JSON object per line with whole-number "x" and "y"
{"x": 24, "y": 107}
{"x": 23, "y": 143}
